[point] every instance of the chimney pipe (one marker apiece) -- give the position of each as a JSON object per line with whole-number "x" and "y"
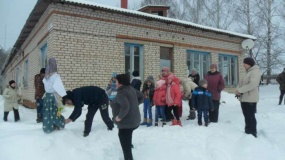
{"x": 124, "y": 4}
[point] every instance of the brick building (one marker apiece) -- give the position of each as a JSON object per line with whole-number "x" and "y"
{"x": 92, "y": 41}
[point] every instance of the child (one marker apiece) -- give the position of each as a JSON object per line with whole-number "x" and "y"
{"x": 111, "y": 89}
{"x": 148, "y": 91}
{"x": 173, "y": 98}
{"x": 202, "y": 101}
{"x": 159, "y": 101}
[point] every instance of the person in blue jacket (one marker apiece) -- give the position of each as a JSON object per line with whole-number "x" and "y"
{"x": 202, "y": 101}
{"x": 93, "y": 96}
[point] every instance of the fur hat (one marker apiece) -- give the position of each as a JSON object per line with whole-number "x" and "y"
{"x": 202, "y": 82}
{"x": 11, "y": 82}
{"x": 214, "y": 66}
{"x": 43, "y": 70}
{"x": 136, "y": 73}
{"x": 249, "y": 61}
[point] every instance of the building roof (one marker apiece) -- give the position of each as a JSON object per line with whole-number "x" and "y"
{"x": 42, "y": 5}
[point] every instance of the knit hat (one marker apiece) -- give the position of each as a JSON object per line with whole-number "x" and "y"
{"x": 165, "y": 69}
{"x": 214, "y": 66}
{"x": 202, "y": 82}
{"x": 160, "y": 83}
{"x": 249, "y": 61}
{"x": 11, "y": 82}
{"x": 43, "y": 70}
{"x": 150, "y": 79}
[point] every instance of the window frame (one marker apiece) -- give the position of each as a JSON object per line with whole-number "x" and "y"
{"x": 132, "y": 57}
{"x": 229, "y": 72}
{"x": 200, "y": 71}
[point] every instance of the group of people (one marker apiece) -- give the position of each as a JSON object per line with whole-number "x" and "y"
{"x": 124, "y": 96}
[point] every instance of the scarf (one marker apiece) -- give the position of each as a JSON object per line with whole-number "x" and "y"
{"x": 169, "y": 99}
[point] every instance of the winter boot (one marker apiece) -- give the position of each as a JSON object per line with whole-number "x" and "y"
{"x": 163, "y": 124}
{"x": 179, "y": 123}
{"x": 39, "y": 118}
{"x": 200, "y": 123}
{"x": 174, "y": 122}
{"x": 5, "y": 116}
{"x": 206, "y": 124}
{"x": 85, "y": 134}
{"x": 144, "y": 122}
{"x": 156, "y": 124}
{"x": 149, "y": 122}
{"x": 16, "y": 115}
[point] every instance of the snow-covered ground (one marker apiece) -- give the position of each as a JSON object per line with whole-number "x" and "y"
{"x": 225, "y": 140}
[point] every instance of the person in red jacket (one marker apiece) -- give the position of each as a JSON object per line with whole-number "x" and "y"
{"x": 173, "y": 98}
{"x": 215, "y": 86}
{"x": 159, "y": 101}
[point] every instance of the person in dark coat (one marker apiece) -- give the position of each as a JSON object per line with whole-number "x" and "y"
{"x": 93, "y": 96}
{"x": 281, "y": 80}
{"x": 202, "y": 101}
{"x": 39, "y": 92}
{"x": 215, "y": 86}
{"x": 194, "y": 75}
{"x": 136, "y": 81}
{"x": 126, "y": 114}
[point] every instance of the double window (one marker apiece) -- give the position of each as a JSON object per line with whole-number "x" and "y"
{"x": 228, "y": 68}
{"x": 198, "y": 60}
{"x": 133, "y": 59}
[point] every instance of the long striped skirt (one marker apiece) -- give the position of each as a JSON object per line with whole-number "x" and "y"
{"x": 50, "y": 119}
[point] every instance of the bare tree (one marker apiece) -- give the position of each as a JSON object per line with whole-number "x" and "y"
{"x": 220, "y": 13}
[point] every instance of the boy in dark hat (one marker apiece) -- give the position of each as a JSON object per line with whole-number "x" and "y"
{"x": 39, "y": 92}
{"x": 202, "y": 101}
{"x": 93, "y": 96}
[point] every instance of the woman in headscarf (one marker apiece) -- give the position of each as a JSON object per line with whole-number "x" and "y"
{"x": 53, "y": 89}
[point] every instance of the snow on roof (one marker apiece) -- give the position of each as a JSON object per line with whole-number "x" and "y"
{"x": 152, "y": 5}
{"x": 84, "y": 2}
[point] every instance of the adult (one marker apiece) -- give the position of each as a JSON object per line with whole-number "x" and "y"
{"x": 188, "y": 86}
{"x": 136, "y": 81}
{"x": 126, "y": 114}
{"x": 39, "y": 92}
{"x": 248, "y": 94}
{"x": 54, "y": 90}
{"x": 93, "y": 96}
{"x": 215, "y": 86}
{"x": 11, "y": 101}
{"x": 194, "y": 75}
{"x": 281, "y": 80}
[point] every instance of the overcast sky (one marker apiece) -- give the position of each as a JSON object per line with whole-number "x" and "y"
{"x": 14, "y": 13}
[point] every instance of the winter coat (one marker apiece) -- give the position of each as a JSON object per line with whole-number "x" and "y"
{"x": 126, "y": 107}
{"x": 201, "y": 99}
{"x": 39, "y": 86}
{"x": 148, "y": 92}
{"x": 281, "y": 80}
{"x": 88, "y": 95}
{"x": 215, "y": 84}
{"x": 136, "y": 83}
{"x": 195, "y": 78}
{"x": 11, "y": 98}
{"x": 248, "y": 85}
{"x": 175, "y": 94}
{"x": 187, "y": 86}
{"x": 159, "y": 98}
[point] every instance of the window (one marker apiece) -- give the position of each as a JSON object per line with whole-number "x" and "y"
{"x": 18, "y": 76}
{"x": 198, "y": 60}
{"x": 43, "y": 57}
{"x": 166, "y": 58}
{"x": 26, "y": 77}
{"x": 228, "y": 68}
{"x": 134, "y": 59}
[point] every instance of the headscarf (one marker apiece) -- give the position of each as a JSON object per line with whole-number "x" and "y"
{"x": 51, "y": 67}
